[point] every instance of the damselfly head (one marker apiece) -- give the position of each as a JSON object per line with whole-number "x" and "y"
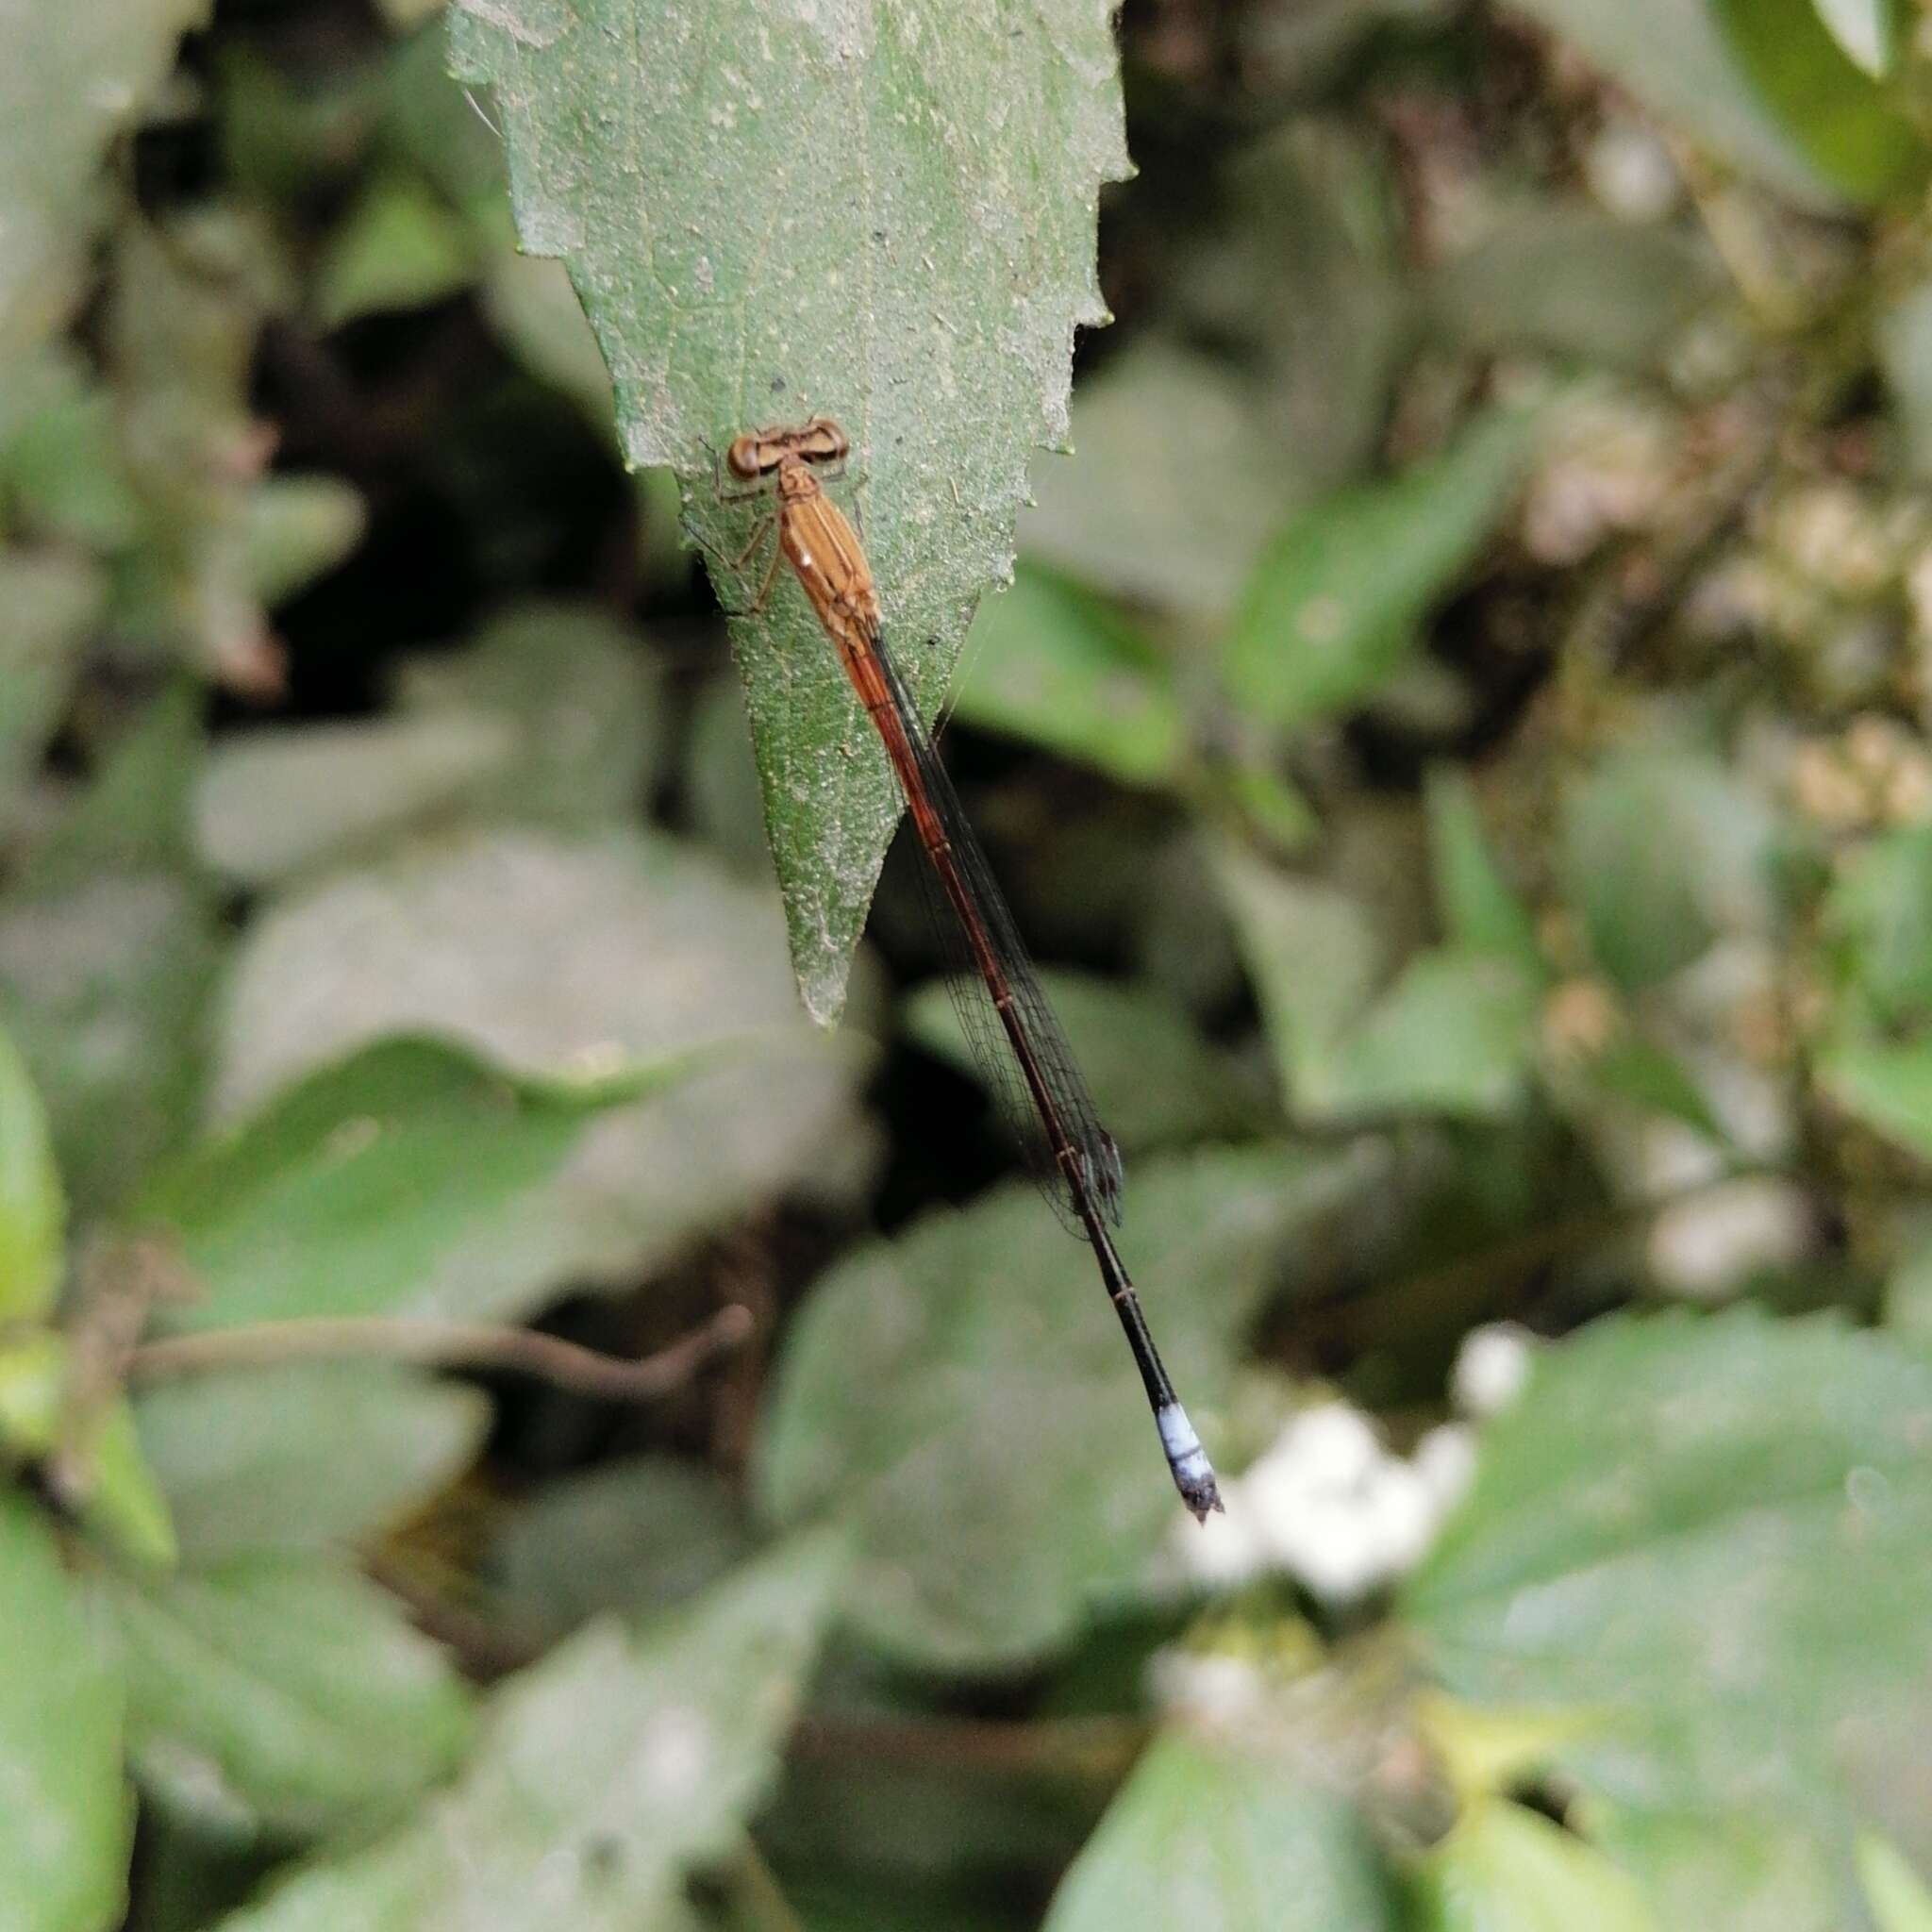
{"x": 759, "y": 451}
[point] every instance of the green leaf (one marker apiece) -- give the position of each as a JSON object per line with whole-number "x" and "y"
{"x": 400, "y": 247}
{"x": 67, "y": 1826}
{"x": 603, "y": 1773}
{"x": 33, "y": 1388}
{"x": 1280, "y": 815}
{"x": 181, "y": 327}
{"x": 1049, "y": 662}
{"x": 132, "y": 818}
{"x": 104, "y": 986}
{"x": 1479, "y": 910}
{"x": 1574, "y": 282}
{"x": 720, "y": 780}
{"x": 1205, "y": 1838}
{"x": 1638, "y": 1071}
{"x": 668, "y": 955}
{"x": 79, "y": 79}
{"x": 1672, "y": 55}
{"x": 1156, "y": 1081}
{"x": 1887, "y": 1085}
{"x": 1313, "y": 959}
{"x": 1179, "y": 534}
{"x": 273, "y": 803}
{"x": 735, "y": 277}
{"x": 303, "y": 1457}
{"x": 33, "y": 1208}
{"x": 107, "y": 940}
{"x": 536, "y": 313}
{"x": 1903, "y": 329}
{"x": 1897, "y": 1895}
{"x": 50, "y": 599}
{"x": 1700, "y": 1533}
{"x": 1851, "y": 129}
{"x": 1663, "y": 851}
{"x": 91, "y": 1462}
{"x": 59, "y": 462}
{"x": 350, "y": 1193}
{"x": 1335, "y": 603}
{"x": 552, "y": 715}
{"x": 1867, "y": 31}
{"x": 1488, "y": 1754}
{"x": 584, "y": 701}
{"x": 635, "y": 1536}
{"x": 191, "y": 1872}
{"x": 433, "y": 123}
{"x": 1741, "y": 1867}
{"x": 1908, "y": 1303}
{"x": 281, "y": 135}
{"x": 1503, "y": 1869}
{"x": 1294, "y": 269}
{"x": 299, "y": 528}
{"x": 1454, "y": 1035}
{"x": 122, "y": 1501}
{"x": 1878, "y": 922}
{"x": 964, "y": 1394}
{"x": 286, "y": 1692}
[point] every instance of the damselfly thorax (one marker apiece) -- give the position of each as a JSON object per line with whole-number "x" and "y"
{"x": 815, "y": 535}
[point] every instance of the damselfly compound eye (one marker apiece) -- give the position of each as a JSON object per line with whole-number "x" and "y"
{"x": 823, "y": 441}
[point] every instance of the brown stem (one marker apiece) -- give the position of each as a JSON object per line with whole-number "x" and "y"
{"x": 464, "y": 1345}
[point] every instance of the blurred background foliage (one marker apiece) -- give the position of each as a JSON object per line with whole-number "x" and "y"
{"x": 1457, "y": 740}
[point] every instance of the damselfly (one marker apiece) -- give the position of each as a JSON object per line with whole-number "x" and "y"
{"x": 1014, "y": 1034}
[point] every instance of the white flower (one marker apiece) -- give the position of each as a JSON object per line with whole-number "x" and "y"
{"x": 1631, "y": 174}
{"x": 1331, "y": 1507}
{"x": 1446, "y": 1460}
{"x": 1213, "y": 1687}
{"x": 1707, "y": 1245}
{"x": 1224, "y": 1550}
{"x": 1492, "y": 1366}
{"x": 1334, "y": 1508}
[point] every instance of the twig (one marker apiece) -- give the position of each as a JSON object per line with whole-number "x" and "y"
{"x": 453, "y": 1345}
{"x": 119, "y": 1280}
{"x": 746, "y": 1267}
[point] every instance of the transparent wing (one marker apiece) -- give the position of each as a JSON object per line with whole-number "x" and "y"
{"x": 1063, "y": 1090}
